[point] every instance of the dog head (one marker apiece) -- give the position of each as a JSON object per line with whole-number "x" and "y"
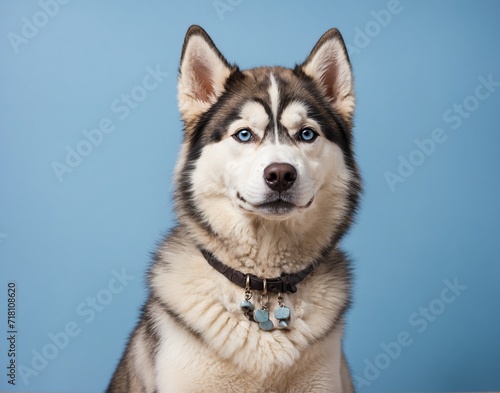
{"x": 268, "y": 144}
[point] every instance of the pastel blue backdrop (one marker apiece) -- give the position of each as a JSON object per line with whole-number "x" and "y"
{"x": 81, "y": 210}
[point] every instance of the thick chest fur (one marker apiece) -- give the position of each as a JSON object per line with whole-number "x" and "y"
{"x": 204, "y": 340}
{"x": 185, "y": 366}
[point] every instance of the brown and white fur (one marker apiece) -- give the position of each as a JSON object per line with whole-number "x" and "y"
{"x": 192, "y": 336}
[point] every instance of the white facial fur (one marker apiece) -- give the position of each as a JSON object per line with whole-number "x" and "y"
{"x": 244, "y": 173}
{"x": 229, "y": 174}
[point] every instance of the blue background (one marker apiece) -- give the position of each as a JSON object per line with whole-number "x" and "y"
{"x": 62, "y": 242}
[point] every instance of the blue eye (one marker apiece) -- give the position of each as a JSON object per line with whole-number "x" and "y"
{"x": 243, "y": 135}
{"x": 307, "y": 135}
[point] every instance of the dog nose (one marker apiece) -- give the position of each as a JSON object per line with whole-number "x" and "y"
{"x": 280, "y": 176}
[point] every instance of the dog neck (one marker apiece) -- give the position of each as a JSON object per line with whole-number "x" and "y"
{"x": 284, "y": 283}
{"x": 264, "y": 248}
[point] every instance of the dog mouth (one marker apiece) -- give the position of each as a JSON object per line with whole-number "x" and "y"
{"x": 278, "y": 206}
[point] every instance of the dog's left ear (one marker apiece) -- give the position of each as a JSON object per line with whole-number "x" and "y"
{"x": 328, "y": 65}
{"x": 202, "y": 74}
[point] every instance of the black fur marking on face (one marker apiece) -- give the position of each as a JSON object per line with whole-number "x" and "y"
{"x": 333, "y": 125}
{"x": 184, "y": 192}
{"x": 303, "y": 89}
{"x": 210, "y": 128}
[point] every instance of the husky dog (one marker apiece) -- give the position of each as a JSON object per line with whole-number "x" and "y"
{"x": 249, "y": 291}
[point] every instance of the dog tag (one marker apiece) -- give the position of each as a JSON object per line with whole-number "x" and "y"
{"x": 282, "y": 313}
{"x": 283, "y": 324}
{"x": 267, "y": 325}
{"x": 261, "y": 316}
{"x": 246, "y": 306}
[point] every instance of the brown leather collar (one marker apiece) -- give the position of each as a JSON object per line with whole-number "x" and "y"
{"x": 284, "y": 283}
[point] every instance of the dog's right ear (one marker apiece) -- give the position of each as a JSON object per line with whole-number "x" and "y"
{"x": 202, "y": 74}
